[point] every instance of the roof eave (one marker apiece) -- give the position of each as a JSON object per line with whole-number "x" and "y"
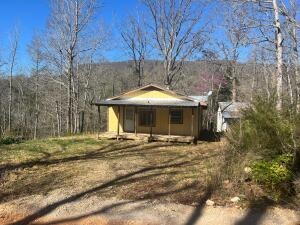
{"x": 112, "y": 103}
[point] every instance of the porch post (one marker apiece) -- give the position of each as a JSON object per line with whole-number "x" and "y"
{"x": 135, "y": 120}
{"x": 198, "y": 121}
{"x": 192, "y": 127}
{"x": 169, "y": 130}
{"x": 118, "y": 128}
{"x": 151, "y": 122}
{"x": 201, "y": 119}
{"x": 123, "y": 117}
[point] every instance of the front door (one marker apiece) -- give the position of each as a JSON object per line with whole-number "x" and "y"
{"x": 129, "y": 119}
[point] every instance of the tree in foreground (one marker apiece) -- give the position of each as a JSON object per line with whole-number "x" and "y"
{"x": 14, "y": 42}
{"x": 72, "y": 36}
{"x": 178, "y": 32}
{"x": 134, "y": 35}
{"x": 36, "y": 53}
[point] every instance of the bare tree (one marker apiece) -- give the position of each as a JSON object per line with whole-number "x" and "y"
{"x": 134, "y": 35}
{"x": 35, "y": 51}
{"x": 235, "y": 27}
{"x": 86, "y": 73}
{"x": 268, "y": 25}
{"x": 69, "y": 30}
{"x": 290, "y": 13}
{"x": 279, "y": 53}
{"x": 14, "y": 42}
{"x": 177, "y": 32}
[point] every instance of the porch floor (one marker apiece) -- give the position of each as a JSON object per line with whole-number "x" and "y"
{"x": 146, "y": 137}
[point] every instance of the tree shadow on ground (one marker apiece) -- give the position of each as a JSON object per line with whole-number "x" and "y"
{"x": 197, "y": 213}
{"x": 40, "y": 185}
{"x": 256, "y": 212}
{"x": 160, "y": 169}
{"x": 110, "y": 151}
{"x": 114, "y": 182}
{"x": 46, "y": 161}
{"x": 115, "y": 206}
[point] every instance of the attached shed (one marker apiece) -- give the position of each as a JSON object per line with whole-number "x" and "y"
{"x": 229, "y": 112}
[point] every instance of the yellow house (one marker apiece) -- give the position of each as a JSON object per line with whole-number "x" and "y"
{"x": 156, "y": 113}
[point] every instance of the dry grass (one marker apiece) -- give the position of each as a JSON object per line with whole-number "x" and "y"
{"x": 135, "y": 170}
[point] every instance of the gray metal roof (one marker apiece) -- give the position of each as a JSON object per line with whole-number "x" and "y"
{"x": 200, "y": 98}
{"x": 232, "y": 110}
{"x": 181, "y": 101}
{"x": 149, "y": 102}
{"x": 231, "y": 115}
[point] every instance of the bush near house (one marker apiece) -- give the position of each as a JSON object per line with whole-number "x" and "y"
{"x": 275, "y": 175}
{"x": 267, "y": 140}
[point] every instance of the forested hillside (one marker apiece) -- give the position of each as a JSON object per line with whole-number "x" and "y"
{"x": 103, "y": 80}
{"x": 249, "y": 49}
{"x": 245, "y": 52}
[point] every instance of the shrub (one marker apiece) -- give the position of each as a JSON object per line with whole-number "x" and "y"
{"x": 10, "y": 140}
{"x": 275, "y": 174}
{"x": 263, "y": 130}
{"x": 266, "y": 139}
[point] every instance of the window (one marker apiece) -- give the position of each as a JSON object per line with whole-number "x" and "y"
{"x": 146, "y": 117}
{"x": 176, "y": 116}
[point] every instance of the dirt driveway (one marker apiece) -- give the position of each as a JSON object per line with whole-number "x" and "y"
{"x": 58, "y": 209}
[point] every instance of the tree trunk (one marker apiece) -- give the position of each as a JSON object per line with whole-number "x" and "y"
{"x": 58, "y": 119}
{"x": 69, "y": 121}
{"x": 295, "y": 62}
{"x": 36, "y": 102}
{"x": 234, "y": 89}
{"x": 81, "y": 127}
{"x": 279, "y": 54}
{"x": 10, "y": 102}
{"x": 252, "y": 88}
{"x": 77, "y": 104}
{"x": 12, "y": 64}
{"x": 290, "y": 89}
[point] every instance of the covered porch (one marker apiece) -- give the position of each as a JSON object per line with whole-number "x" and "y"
{"x": 146, "y": 137}
{"x": 154, "y": 113}
{"x": 171, "y": 123}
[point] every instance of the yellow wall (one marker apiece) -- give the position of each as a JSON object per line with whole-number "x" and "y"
{"x": 161, "y": 123}
{"x": 162, "y": 115}
{"x": 112, "y": 122}
{"x": 149, "y": 94}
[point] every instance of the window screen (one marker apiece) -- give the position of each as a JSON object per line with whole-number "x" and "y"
{"x": 129, "y": 114}
{"x": 176, "y": 116}
{"x": 146, "y": 117}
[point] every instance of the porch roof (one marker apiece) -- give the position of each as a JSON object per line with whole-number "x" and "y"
{"x": 149, "y": 102}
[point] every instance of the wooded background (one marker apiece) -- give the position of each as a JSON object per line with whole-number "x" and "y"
{"x": 237, "y": 49}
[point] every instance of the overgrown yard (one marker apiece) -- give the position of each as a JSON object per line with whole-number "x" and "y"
{"x": 83, "y": 180}
{"x": 132, "y": 170}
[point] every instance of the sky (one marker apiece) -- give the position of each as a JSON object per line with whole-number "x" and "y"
{"x": 27, "y": 16}
{"x": 30, "y": 16}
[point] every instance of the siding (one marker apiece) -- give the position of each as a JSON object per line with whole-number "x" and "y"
{"x": 112, "y": 122}
{"x": 161, "y": 123}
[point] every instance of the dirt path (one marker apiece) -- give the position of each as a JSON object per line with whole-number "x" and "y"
{"x": 55, "y": 209}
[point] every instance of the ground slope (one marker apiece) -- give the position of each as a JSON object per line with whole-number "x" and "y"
{"x": 83, "y": 180}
